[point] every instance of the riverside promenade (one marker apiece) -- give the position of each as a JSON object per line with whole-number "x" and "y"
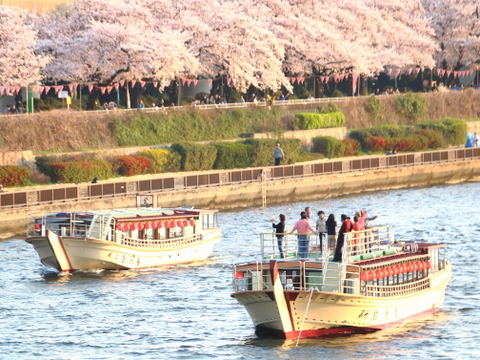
{"x": 225, "y": 189}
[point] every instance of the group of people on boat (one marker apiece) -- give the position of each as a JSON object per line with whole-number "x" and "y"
{"x": 325, "y": 229}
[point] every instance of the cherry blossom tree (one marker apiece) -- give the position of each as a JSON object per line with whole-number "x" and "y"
{"x": 229, "y": 38}
{"x": 457, "y": 31}
{"x": 19, "y": 66}
{"x": 105, "y": 41}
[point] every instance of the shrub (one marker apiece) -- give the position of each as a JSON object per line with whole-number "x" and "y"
{"x": 452, "y": 130}
{"x": 376, "y": 143}
{"x": 434, "y": 139}
{"x": 382, "y": 131}
{"x": 80, "y": 171}
{"x": 195, "y": 157}
{"x": 262, "y": 150}
{"x": 164, "y": 160}
{"x": 374, "y": 107}
{"x": 337, "y": 93}
{"x": 233, "y": 155}
{"x": 328, "y": 146}
{"x": 351, "y": 147}
{"x": 309, "y": 121}
{"x": 13, "y": 175}
{"x": 130, "y": 165}
{"x": 412, "y": 106}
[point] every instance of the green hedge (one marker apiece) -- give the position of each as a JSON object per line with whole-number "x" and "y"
{"x": 195, "y": 157}
{"x": 145, "y": 129}
{"x": 454, "y": 131}
{"x": 13, "y": 175}
{"x": 383, "y": 131}
{"x": 262, "y": 150}
{"x": 328, "y": 146}
{"x": 233, "y": 155}
{"x": 80, "y": 170}
{"x": 309, "y": 121}
{"x": 164, "y": 160}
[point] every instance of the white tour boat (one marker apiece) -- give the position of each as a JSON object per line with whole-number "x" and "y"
{"x": 378, "y": 284}
{"x": 128, "y": 238}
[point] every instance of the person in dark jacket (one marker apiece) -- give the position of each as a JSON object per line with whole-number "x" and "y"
{"x": 331, "y": 231}
{"x": 346, "y": 227}
{"x": 279, "y": 233}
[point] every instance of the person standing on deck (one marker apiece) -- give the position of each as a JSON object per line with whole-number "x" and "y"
{"x": 303, "y": 228}
{"x": 279, "y": 233}
{"x": 321, "y": 227}
{"x": 347, "y": 226}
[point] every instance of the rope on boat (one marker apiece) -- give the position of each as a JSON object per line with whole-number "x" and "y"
{"x": 303, "y": 322}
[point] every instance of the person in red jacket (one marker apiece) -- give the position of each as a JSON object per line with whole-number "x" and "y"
{"x": 346, "y": 227}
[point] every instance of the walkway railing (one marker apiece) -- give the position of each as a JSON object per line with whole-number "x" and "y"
{"x": 183, "y": 182}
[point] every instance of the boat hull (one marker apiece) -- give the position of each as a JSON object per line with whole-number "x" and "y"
{"x": 70, "y": 254}
{"x": 317, "y": 314}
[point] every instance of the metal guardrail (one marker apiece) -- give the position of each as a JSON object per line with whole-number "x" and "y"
{"x": 182, "y": 182}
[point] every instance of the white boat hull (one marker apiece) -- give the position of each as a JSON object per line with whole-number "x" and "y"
{"x": 316, "y": 313}
{"x": 69, "y": 254}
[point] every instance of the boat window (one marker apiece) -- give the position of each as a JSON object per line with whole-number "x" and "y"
{"x": 188, "y": 230}
{"x": 149, "y": 234}
{"x": 134, "y": 234}
{"x": 162, "y": 233}
{"x": 209, "y": 221}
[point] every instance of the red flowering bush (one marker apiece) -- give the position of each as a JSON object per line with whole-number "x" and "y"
{"x": 376, "y": 143}
{"x": 351, "y": 147}
{"x": 130, "y": 165}
{"x": 12, "y": 175}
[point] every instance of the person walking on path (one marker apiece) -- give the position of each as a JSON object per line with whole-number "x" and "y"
{"x": 303, "y": 228}
{"x": 278, "y": 154}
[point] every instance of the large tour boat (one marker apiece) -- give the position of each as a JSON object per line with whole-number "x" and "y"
{"x": 378, "y": 284}
{"x": 128, "y": 238}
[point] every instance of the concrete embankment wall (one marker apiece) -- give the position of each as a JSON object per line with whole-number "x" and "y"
{"x": 14, "y": 220}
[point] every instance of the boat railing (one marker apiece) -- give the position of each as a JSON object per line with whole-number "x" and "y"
{"x": 364, "y": 244}
{"x": 289, "y": 246}
{"x": 67, "y": 225}
{"x": 298, "y": 276}
{"x": 161, "y": 244}
{"x": 403, "y": 289}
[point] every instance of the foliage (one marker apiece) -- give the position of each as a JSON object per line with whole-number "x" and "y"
{"x": 337, "y": 93}
{"x": 232, "y": 155}
{"x": 374, "y": 107}
{"x": 309, "y": 121}
{"x": 145, "y": 129}
{"x": 78, "y": 171}
{"x": 412, "y": 106}
{"x": 195, "y": 157}
{"x": 13, "y": 175}
{"x": 351, "y": 147}
{"x": 130, "y": 165}
{"x": 453, "y": 130}
{"x": 375, "y": 143}
{"x": 164, "y": 160}
{"x": 328, "y": 146}
{"x": 262, "y": 150}
{"x": 384, "y": 131}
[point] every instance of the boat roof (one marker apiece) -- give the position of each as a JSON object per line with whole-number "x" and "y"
{"x": 137, "y": 213}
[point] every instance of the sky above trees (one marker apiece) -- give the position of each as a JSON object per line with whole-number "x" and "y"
{"x": 259, "y": 43}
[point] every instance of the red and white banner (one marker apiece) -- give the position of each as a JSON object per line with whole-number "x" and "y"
{"x": 210, "y": 81}
{"x": 132, "y": 83}
{"x": 102, "y": 90}
{"x": 417, "y": 70}
{"x": 195, "y": 82}
{"x": 397, "y": 72}
{"x": 47, "y": 89}
{"x": 109, "y": 89}
{"x": 116, "y": 86}
{"x": 389, "y": 72}
{"x": 142, "y": 84}
{"x": 90, "y": 88}
{"x": 121, "y": 82}
{"x": 155, "y": 84}
{"x": 1, "y": 90}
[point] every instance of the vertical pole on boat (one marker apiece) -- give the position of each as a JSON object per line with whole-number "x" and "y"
{"x": 304, "y": 316}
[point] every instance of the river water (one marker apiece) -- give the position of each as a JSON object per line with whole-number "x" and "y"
{"x": 186, "y": 312}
